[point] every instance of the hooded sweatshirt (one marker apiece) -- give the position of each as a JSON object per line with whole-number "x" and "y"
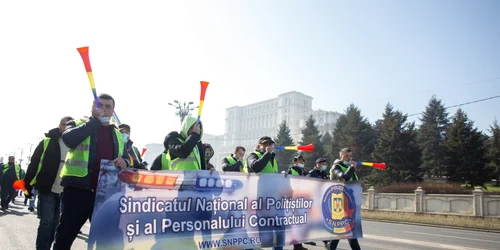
{"x": 181, "y": 150}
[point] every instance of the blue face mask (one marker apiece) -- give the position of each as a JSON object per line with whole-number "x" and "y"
{"x": 301, "y": 165}
{"x": 347, "y": 163}
{"x": 125, "y": 137}
{"x": 323, "y": 167}
{"x": 105, "y": 120}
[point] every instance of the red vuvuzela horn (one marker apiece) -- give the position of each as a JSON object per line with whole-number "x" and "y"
{"x": 307, "y": 148}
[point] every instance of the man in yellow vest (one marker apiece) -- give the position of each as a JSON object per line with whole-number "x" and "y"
{"x": 90, "y": 141}
{"x": 262, "y": 161}
{"x": 235, "y": 162}
{"x": 184, "y": 149}
{"x": 344, "y": 169}
{"x": 43, "y": 174}
{"x": 297, "y": 168}
{"x": 10, "y": 173}
{"x": 134, "y": 154}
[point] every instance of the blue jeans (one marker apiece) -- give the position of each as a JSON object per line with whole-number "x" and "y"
{"x": 32, "y": 200}
{"x": 49, "y": 218}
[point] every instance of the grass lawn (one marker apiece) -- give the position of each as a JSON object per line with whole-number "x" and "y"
{"x": 491, "y": 188}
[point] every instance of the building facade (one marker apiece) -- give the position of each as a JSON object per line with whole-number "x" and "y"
{"x": 246, "y": 124}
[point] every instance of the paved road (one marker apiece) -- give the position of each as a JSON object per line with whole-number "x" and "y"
{"x": 18, "y": 231}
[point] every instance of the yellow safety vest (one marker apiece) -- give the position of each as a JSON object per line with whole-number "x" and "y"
{"x": 192, "y": 162}
{"x": 131, "y": 155}
{"x": 269, "y": 168}
{"x": 77, "y": 160}
{"x": 17, "y": 169}
{"x": 45, "y": 144}
{"x": 165, "y": 161}
{"x": 354, "y": 177}
{"x": 231, "y": 161}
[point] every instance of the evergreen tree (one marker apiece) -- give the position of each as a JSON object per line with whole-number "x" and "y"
{"x": 431, "y": 137}
{"x": 354, "y": 131}
{"x": 396, "y": 146}
{"x": 310, "y": 134}
{"x": 284, "y": 138}
{"x": 465, "y": 152}
{"x": 326, "y": 141}
{"x": 494, "y": 151}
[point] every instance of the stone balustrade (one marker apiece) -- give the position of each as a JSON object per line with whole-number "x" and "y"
{"x": 478, "y": 203}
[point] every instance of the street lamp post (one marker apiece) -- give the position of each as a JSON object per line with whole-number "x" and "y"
{"x": 29, "y": 156}
{"x": 21, "y": 158}
{"x": 182, "y": 110}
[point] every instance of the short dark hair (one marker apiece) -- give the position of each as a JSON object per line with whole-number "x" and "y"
{"x": 238, "y": 148}
{"x": 298, "y": 157}
{"x": 125, "y": 126}
{"x": 69, "y": 118}
{"x": 345, "y": 150}
{"x": 107, "y": 97}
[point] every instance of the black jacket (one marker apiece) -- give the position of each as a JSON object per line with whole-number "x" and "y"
{"x": 50, "y": 164}
{"x": 317, "y": 174}
{"x": 157, "y": 162}
{"x": 296, "y": 168}
{"x": 182, "y": 150}
{"x": 255, "y": 165}
{"x": 337, "y": 173}
{"x": 227, "y": 167}
{"x": 136, "y": 156}
{"x": 74, "y": 135}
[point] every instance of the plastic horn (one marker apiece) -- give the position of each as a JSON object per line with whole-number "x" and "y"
{"x": 84, "y": 53}
{"x": 204, "y": 86}
{"x": 20, "y": 185}
{"x": 308, "y": 148}
{"x": 143, "y": 151}
{"x": 380, "y": 166}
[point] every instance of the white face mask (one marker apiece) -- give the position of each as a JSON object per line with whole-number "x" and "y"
{"x": 301, "y": 165}
{"x": 105, "y": 119}
{"x": 347, "y": 163}
{"x": 125, "y": 137}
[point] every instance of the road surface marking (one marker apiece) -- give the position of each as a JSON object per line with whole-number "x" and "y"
{"x": 455, "y": 237}
{"x": 475, "y": 233}
{"x": 416, "y": 242}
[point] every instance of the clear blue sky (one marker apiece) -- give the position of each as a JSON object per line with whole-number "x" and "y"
{"x": 148, "y": 54}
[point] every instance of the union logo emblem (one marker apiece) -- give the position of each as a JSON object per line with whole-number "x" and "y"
{"x": 338, "y": 207}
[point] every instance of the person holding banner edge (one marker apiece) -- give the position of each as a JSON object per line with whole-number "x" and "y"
{"x": 262, "y": 161}
{"x": 319, "y": 171}
{"x": 90, "y": 141}
{"x": 297, "y": 168}
{"x": 235, "y": 162}
{"x": 344, "y": 169}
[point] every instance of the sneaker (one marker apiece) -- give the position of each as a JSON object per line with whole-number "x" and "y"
{"x": 300, "y": 248}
